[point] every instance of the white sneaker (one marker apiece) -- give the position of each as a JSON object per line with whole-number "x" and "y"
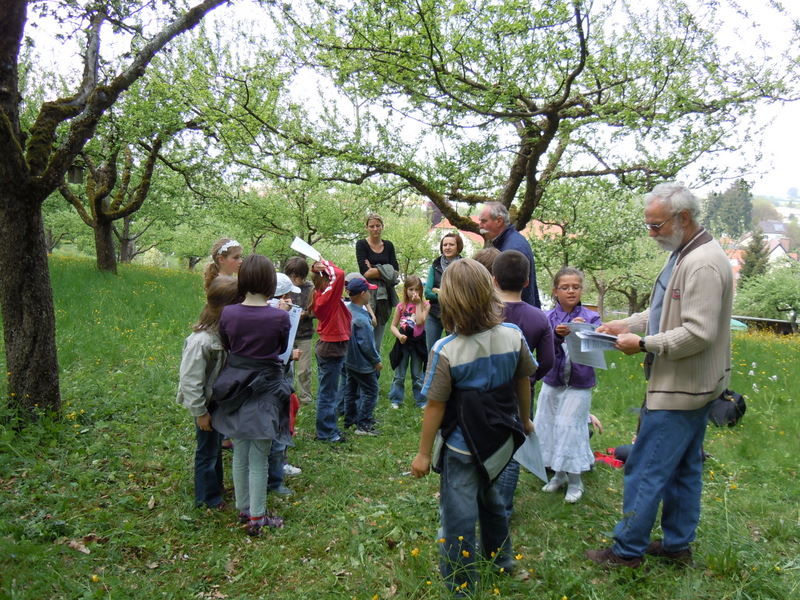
{"x": 574, "y": 493}
{"x": 291, "y": 470}
{"x": 556, "y": 483}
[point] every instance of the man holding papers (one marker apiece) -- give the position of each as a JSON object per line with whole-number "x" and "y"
{"x": 687, "y": 343}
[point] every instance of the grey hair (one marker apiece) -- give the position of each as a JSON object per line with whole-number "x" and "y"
{"x": 498, "y": 211}
{"x": 676, "y": 197}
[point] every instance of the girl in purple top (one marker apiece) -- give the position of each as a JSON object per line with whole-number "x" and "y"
{"x": 562, "y": 412}
{"x": 251, "y": 393}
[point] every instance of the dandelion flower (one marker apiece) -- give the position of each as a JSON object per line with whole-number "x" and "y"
{"x": 95, "y": 578}
{"x": 496, "y": 591}
{"x": 415, "y": 552}
{"x": 465, "y": 553}
{"x": 440, "y": 541}
{"x": 518, "y": 556}
{"x": 461, "y": 538}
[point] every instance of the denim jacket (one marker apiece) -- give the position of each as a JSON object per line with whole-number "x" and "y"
{"x": 362, "y": 356}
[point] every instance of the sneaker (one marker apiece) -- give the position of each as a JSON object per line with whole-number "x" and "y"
{"x": 395, "y": 406}
{"x": 574, "y": 493}
{"x": 256, "y": 524}
{"x": 339, "y": 439}
{"x": 558, "y": 481}
{"x": 366, "y": 431}
{"x": 244, "y": 517}
{"x": 289, "y": 470}
{"x": 281, "y": 490}
{"x": 656, "y": 548}
{"x": 607, "y": 559}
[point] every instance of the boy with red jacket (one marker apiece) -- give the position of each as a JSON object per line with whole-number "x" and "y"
{"x": 334, "y": 334}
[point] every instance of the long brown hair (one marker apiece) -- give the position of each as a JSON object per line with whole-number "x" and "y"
{"x": 222, "y": 291}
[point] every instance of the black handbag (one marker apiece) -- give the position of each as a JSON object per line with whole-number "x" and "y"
{"x": 727, "y": 409}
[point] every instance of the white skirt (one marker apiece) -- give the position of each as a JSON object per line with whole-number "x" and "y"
{"x": 562, "y": 426}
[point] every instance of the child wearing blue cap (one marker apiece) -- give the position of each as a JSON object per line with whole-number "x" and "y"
{"x": 362, "y": 363}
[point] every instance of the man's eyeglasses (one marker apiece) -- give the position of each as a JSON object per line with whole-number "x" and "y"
{"x": 658, "y": 226}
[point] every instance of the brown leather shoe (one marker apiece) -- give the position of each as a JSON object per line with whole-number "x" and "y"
{"x": 607, "y": 559}
{"x": 656, "y": 548}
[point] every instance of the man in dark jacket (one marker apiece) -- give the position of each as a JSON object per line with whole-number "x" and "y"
{"x": 497, "y": 228}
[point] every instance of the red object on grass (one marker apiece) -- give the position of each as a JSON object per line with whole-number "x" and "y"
{"x": 608, "y": 458}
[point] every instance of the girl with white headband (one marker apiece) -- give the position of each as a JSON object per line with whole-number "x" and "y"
{"x": 226, "y": 258}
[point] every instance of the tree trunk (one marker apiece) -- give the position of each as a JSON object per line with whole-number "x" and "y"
{"x": 27, "y": 305}
{"x": 193, "y": 260}
{"x": 127, "y": 244}
{"x": 104, "y": 246}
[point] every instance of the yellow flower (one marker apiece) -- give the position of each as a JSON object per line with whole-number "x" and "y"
{"x": 564, "y": 598}
{"x": 518, "y": 557}
{"x": 461, "y": 538}
{"x": 493, "y": 554}
{"x": 440, "y": 540}
{"x": 428, "y": 582}
{"x": 415, "y": 552}
{"x": 463, "y": 585}
{"x": 375, "y": 597}
{"x": 465, "y": 553}
{"x": 496, "y": 591}
{"x": 95, "y": 578}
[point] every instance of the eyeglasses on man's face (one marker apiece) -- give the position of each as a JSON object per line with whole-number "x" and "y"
{"x": 658, "y": 226}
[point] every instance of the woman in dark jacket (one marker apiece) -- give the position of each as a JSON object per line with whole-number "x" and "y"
{"x": 450, "y": 248}
{"x": 377, "y": 262}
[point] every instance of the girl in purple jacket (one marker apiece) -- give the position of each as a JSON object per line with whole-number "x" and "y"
{"x": 562, "y": 412}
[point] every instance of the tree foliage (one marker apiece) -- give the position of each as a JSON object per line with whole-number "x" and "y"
{"x": 764, "y": 210}
{"x": 756, "y": 258}
{"x": 729, "y": 213}
{"x": 772, "y": 295}
{"x": 467, "y": 102}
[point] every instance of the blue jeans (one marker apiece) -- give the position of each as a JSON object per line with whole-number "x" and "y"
{"x": 328, "y": 394}
{"x": 665, "y": 465}
{"x": 467, "y": 498}
{"x": 433, "y": 330}
{"x": 208, "y": 468}
{"x": 506, "y": 484}
{"x": 277, "y": 456}
{"x": 397, "y": 391}
{"x": 360, "y": 398}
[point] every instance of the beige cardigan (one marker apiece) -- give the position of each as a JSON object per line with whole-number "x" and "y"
{"x": 692, "y": 351}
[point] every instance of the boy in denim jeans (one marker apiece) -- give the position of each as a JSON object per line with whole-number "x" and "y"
{"x": 476, "y": 388}
{"x": 362, "y": 363}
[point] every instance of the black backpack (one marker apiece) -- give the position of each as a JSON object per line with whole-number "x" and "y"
{"x": 727, "y": 409}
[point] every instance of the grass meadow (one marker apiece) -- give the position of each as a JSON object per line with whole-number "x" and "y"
{"x": 98, "y": 504}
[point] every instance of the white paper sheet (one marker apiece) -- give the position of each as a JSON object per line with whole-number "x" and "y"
{"x": 294, "y": 320}
{"x": 529, "y": 455}
{"x": 578, "y": 353}
{"x": 305, "y": 249}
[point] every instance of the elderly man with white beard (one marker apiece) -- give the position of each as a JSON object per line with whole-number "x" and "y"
{"x": 687, "y": 365}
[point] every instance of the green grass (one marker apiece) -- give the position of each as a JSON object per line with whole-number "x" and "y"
{"x": 114, "y": 476}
